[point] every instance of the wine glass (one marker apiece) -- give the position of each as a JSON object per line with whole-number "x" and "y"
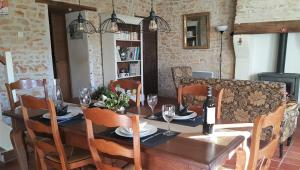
{"x": 57, "y": 95}
{"x": 152, "y": 101}
{"x": 168, "y": 112}
{"x": 85, "y": 97}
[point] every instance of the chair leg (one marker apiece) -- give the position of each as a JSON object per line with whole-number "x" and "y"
{"x": 289, "y": 140}
{"x": 280, "y": 150}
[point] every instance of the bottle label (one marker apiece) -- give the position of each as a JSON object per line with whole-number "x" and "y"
{"x": 211, "y": 115}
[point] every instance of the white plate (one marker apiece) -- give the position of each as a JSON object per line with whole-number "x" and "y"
{"x": 142, "y": 128}
{"x": 190, "y": 116}
{"x": 67, "y": 116}
{"x": 150, "y": 129}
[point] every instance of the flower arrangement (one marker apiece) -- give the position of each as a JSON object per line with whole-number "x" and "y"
{"x": 114, "y": 99}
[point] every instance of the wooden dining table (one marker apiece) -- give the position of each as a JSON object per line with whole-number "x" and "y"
{"x": 185, "y": 151}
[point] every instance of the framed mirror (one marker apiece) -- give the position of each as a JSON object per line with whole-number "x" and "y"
{"x": 196, "y": 30}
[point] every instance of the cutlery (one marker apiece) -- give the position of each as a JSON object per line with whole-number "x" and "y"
{"x": 150, "y": 137}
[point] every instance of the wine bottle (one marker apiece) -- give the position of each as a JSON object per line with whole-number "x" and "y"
{"x": 209, "y": 113}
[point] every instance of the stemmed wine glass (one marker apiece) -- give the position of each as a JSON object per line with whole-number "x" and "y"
{"x": 168, "y": 112}
{"x": 85, "y": 97}
{"x": 152, "y": 101}
{"x": 57, "y": 95}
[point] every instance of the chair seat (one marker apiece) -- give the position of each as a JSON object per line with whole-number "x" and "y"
{"x": 73, "y": 155}
{"x": 129, "y": 167}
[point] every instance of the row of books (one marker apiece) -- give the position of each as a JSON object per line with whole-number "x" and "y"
{"x": 134, "y": 69}
{"x": 125, "y": 35}
{"x": 128, "y": 53}
{"x": 134, "y": 53}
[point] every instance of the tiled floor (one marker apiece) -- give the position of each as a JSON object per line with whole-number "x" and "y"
{"x": 290, "y": 160}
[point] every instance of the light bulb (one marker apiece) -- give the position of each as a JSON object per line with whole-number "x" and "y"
{"x": 114, "y": 27}
{"x": 153, "y": 25}
{"x": 80, "y": 27}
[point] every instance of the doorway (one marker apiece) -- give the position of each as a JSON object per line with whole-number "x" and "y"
{"x": 60, "y": 53}
{"x": 150, "y": 60}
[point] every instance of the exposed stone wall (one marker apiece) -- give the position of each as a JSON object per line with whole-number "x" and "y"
{"x": 170, "y": 45}
{"x": 249, "y": 11}
{"x": 32, "y": 54}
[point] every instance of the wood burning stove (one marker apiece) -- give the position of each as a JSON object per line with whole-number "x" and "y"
{"x": 291, "y": 80}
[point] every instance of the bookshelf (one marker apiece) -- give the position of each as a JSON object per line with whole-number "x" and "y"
{"x": 123, "y": 51}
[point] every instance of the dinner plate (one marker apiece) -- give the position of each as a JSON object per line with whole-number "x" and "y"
{"x": 149, "y": 130}
{"x": 190, "y": 116}
{"x": 67, "y": 116}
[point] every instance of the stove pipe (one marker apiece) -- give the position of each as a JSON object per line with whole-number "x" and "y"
{"x": 283, "y": 37}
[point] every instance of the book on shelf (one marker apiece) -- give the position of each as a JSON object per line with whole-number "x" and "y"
{"x": 118, "y": 53}
{"x": 135, "y": 69}
{"x": 126, "y": 35}
{"x": 134, "y": 53}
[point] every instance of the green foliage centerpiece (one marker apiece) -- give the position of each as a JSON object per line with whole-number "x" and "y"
{"x": 114, "y": 99}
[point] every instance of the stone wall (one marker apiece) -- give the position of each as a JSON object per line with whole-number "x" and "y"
{"x": 170, "y": 46}
{"x": 249, "y": 11}
{"x": 32, "y": 54}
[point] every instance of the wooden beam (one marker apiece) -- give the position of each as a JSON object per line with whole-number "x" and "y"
{"x": 66, "y": 6}
{"x": 2, "y": 60}
{"x": 267, "y": 27}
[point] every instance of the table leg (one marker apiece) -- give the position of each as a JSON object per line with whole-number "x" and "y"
{"x": 17, "y": 140}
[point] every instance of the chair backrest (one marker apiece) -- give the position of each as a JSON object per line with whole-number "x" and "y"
{"x": 35, "y": 127}
{"x": 23, "y": 84}
{"x": 109, "y": 118}
{"x": 129, "y": 85}
{"x": 261, "y": 152}
{"x": 199, "y": 92}
{"x": 180, "y": 72}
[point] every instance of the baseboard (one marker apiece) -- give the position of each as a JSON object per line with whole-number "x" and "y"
{"x": 6, "y": 156}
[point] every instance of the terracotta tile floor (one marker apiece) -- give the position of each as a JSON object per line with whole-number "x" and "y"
{"x": 290, "y": 160}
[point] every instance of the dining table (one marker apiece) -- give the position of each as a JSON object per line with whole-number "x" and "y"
{"x": 189, "y": 149}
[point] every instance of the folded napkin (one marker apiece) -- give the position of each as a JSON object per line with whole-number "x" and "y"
{"x": 183, "y": 111}
{"x": 142, "y": 128}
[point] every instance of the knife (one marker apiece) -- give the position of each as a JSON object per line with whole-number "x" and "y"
{"x": 150, "y": 137}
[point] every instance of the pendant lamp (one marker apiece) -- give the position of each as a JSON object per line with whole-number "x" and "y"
{"x": 111, "y": 24}
{"x": 156, "y": 23}
{"x": 81, "y": 25}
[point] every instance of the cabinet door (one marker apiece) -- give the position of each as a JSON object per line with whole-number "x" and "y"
{"x": 150, "y": 60}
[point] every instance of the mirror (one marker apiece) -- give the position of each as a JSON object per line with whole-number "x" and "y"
{"x": 196, "y": 30}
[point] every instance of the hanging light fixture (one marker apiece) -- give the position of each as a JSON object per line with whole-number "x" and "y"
{"x": 111, "y": 24}
{"x": 156, "y": 23}
{"x": 81, "y": 25}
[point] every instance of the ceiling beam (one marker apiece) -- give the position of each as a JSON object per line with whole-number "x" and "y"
{"x": 66, "y": 6}
{"x": 267, "y": 27}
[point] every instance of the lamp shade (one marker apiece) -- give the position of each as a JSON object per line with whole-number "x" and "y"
{"x": 222, "y": 28}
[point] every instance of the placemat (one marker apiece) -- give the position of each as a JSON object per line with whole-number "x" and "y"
{"x": 198, "y": 120}
{"x": 77, "y": 118}
{"x": 147, "y": 141}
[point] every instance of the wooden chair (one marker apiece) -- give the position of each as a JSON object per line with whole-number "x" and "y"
{"x": 199, "y": 90}
{"x": 129, "y": 85}
{"x": 109, "y": 118}
{"x": 261, "y": 152}
{"x": 50, "y": 152}
{"x": 23, "y": 84}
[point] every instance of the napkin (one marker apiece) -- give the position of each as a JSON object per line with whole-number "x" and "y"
{"x": 183, "y": 111}
{"x": 142, "y": 128}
